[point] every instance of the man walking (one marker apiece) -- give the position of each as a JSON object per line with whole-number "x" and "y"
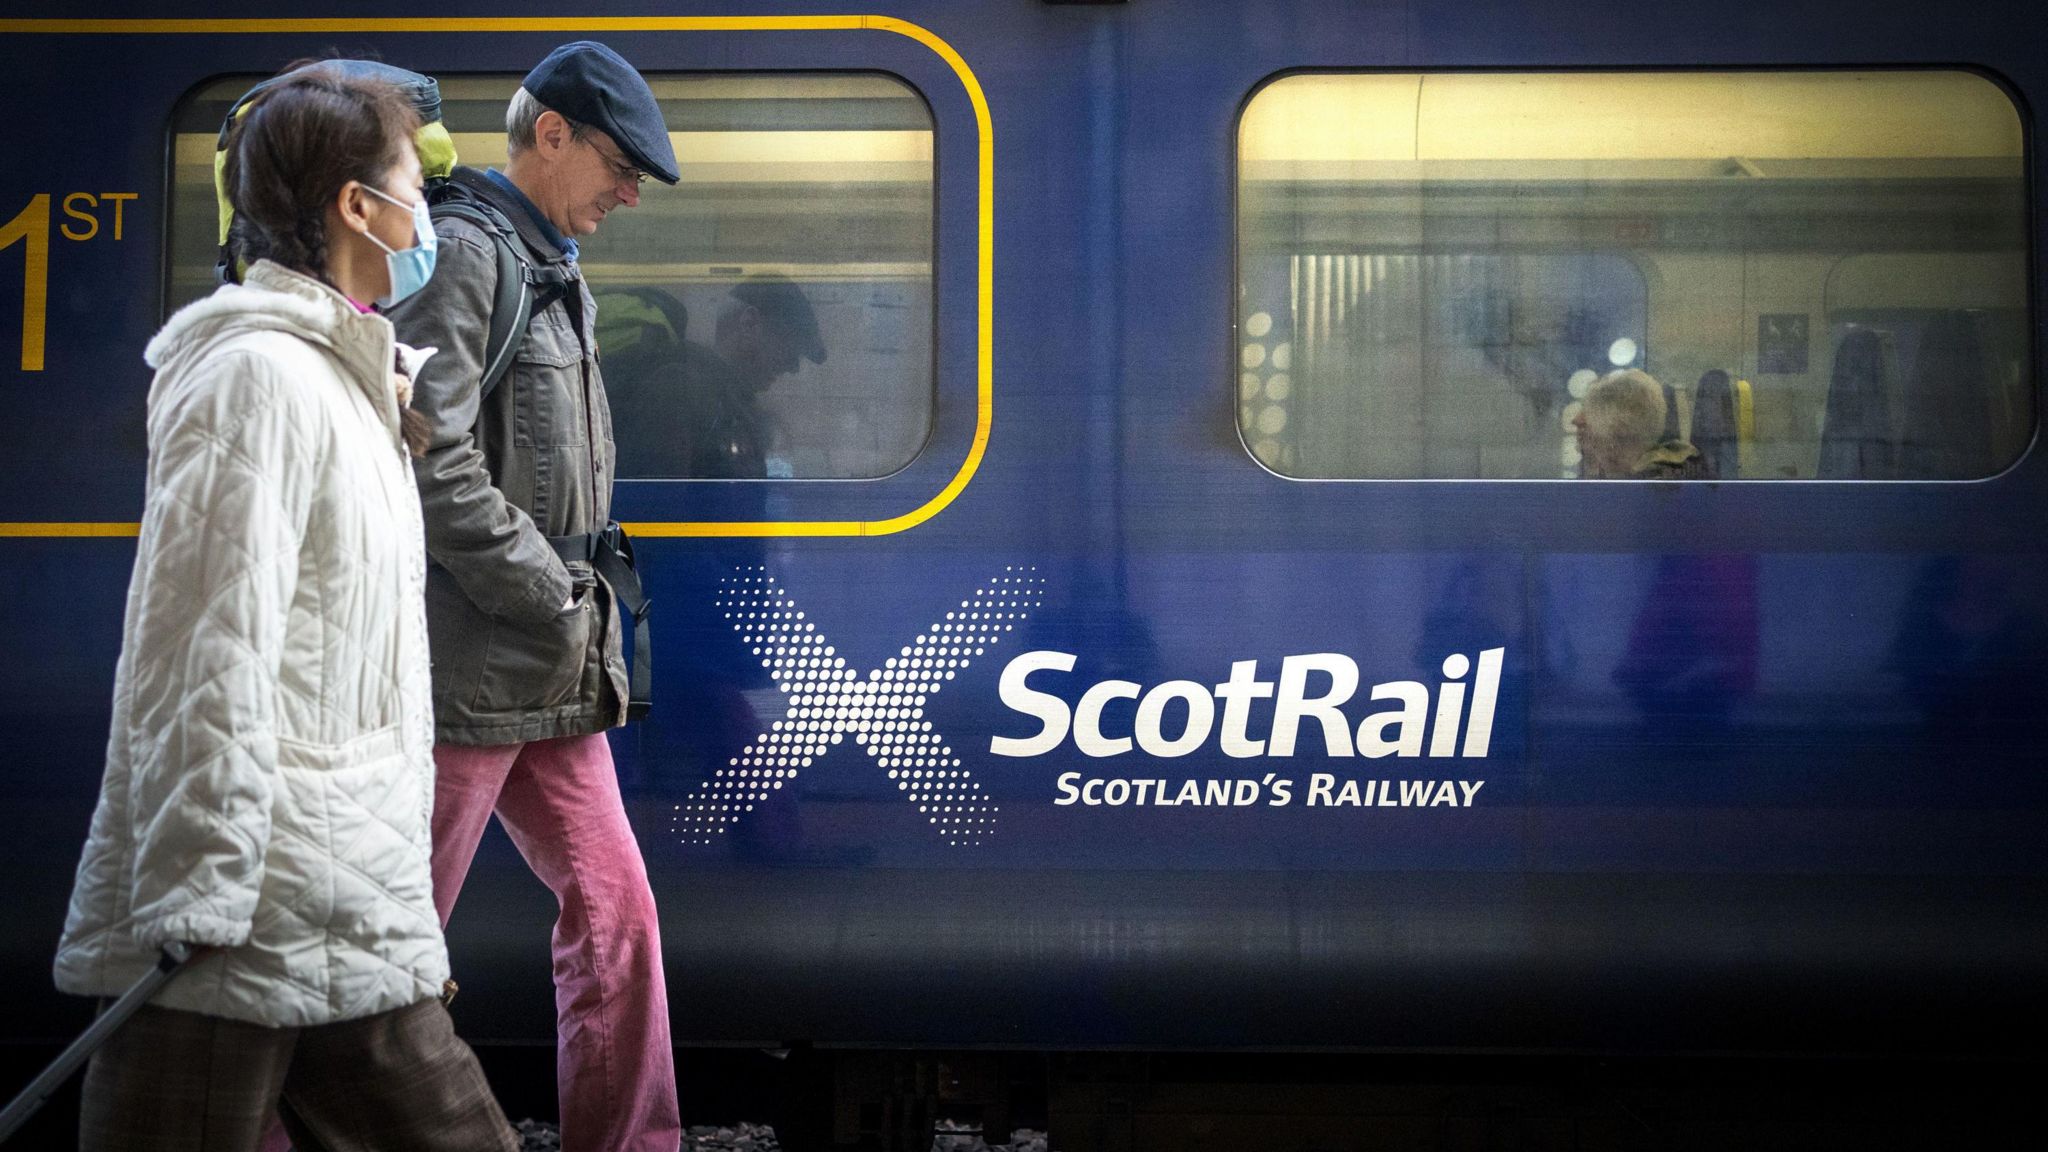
{"x": 527, "y": 667}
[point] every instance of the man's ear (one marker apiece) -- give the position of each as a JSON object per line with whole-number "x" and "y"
{"x": 551, "y": 132}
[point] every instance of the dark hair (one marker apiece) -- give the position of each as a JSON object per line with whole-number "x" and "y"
{"x": 293, "y": 149}
{"x": 289, "y": 155}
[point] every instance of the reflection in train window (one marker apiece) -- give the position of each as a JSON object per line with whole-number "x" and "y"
{"x": 768, "y": 317}
{"x": 1826, "y": 271}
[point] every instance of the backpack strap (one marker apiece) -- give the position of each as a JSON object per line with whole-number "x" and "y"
{"x": 513, "y": 306}
{"x": 525, "y": 287}
{"x": 552, "y": 282}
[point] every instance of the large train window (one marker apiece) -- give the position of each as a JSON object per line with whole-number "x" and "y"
{"x": 768, "y": 317}
{"x": 1825, "y": 271}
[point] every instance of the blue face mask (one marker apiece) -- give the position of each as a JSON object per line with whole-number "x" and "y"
{"x": 412, "y": 267}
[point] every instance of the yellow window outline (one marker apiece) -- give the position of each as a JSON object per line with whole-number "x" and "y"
{"x": 984, "y": 210}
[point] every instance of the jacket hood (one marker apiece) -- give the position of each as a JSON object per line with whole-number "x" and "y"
{"x": 273, "y": 298}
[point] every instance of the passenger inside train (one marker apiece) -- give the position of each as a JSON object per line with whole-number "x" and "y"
{"x": 1435, "y": 268}
{"x": 1622, "y": 433}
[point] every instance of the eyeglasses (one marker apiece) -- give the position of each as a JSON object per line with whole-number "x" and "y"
{"x": 620, "y": 169}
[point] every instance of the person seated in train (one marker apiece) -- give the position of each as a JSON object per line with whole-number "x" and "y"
{"x": 691, "y": 409}
{"x": 523, "y": 618}
{"x": 1622, "y": 431}
{"x": 270, "y": 771}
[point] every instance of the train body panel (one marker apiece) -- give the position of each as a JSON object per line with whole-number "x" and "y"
{"x": 986, "y": 747}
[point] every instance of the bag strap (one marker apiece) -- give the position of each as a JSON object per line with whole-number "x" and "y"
{"x": 512, "y": 308}
{"x": 610, "y": 555}
{"x": 525, "y": 289}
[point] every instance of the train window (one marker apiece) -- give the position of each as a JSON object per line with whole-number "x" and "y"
{"x": 768, "y": 317}
{"x": 1825, "y": 271}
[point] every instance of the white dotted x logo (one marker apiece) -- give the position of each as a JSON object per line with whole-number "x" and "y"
{"x": 884, "y": 711}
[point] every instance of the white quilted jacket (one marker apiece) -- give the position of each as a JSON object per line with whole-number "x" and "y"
{"x": 270, "y": 774}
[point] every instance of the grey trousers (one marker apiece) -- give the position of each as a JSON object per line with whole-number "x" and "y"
{"x": 173, "y": 1081}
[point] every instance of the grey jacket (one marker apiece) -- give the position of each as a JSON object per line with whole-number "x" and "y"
{"x": 533, "y": 460}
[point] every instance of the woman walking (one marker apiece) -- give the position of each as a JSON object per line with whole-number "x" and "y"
{"x": 269, "y": 778}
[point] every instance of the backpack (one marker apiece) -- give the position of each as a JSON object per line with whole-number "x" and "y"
{"x": 436, "y": 147}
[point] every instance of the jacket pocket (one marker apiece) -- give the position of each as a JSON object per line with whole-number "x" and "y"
{"x": 335, "y": 807}
{"x": 547, "y": 382}
{"x": 531, "y": 667}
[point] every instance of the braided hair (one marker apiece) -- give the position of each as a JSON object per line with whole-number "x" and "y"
{"x": 289, "y": 155}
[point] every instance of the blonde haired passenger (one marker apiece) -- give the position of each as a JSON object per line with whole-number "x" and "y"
{"x": 1620, "y": 428}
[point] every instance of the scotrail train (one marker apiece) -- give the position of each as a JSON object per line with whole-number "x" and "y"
{"x": 1162, "y": 338}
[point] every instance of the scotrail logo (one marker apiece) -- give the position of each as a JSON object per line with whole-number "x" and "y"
{"x": 883, "y": 711}
{"x": 1248, "y": 716}
{"x": 1395, "y": 731}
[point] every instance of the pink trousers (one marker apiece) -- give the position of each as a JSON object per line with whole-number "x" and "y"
{"x": 559, "y": 800}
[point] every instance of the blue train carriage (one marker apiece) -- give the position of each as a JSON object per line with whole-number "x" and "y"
{"x": 1107, "y": 481}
